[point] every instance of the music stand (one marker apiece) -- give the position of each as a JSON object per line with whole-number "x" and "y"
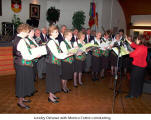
{"x": 117, "y": 92}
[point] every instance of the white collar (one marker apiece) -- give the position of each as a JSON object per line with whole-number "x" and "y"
{"x": 20, "y": 35}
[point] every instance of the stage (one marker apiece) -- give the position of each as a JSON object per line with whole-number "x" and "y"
{"x": 6, "y": 59}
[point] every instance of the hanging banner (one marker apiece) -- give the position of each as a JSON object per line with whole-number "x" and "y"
{"x": 16, "y": 5}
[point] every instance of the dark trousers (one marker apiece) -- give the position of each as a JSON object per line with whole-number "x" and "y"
{"x": 136, "y": 81}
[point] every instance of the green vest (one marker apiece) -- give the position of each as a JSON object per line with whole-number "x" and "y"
{"x": 80, "y": 57}
{"x": 32, "y": 43}
{"x": 68, "y": 59}
{"x": 104, "y": 52}
{"x": 96, "y": 52}
{"x": 55, "y": 60}
{"x": 27, "y": 62}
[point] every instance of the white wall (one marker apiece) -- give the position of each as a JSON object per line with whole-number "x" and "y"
{"x": 141, "y": 20}
{"x": 67, "y": 9}
{"x": 110, "y": 14}
{"x": 7, "y": 13}
{"x": 118, "y": 17}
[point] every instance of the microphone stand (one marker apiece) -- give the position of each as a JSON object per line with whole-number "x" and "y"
{"x": 116, "y": 92}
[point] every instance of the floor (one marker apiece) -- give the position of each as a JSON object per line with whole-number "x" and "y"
{"x": 92, "y": 97}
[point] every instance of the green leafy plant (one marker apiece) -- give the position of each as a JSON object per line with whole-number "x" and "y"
{"x": 16, "y": 21}
{"x": 53, "y": 15}
{"x": 78, "y": 20}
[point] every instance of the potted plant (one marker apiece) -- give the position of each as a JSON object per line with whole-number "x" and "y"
{"x": 78, "y": 20}
{"x": 16, "y": 21}
{"x": 53, "y": 15}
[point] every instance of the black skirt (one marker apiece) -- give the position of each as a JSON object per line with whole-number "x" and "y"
{"x": 136, "y": 81}
{"x": 113, "y": 59}
{"x": 79, "y": 66}
{"x": 67, "y": 70}
{"x": 24, "y": 81}
{"x": 96, "y": 64}
{"x": 104, "y": 62}
{"x": 53, "y": 80}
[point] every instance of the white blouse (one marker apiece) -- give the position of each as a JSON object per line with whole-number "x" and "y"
{"x": 98, "y": 41}
{"x": 22, "y": 47}
{"x": 76, "y": 45}
{"x": 53, "y": 48}
{"x": 63, "y": 46}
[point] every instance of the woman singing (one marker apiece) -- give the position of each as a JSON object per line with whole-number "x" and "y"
{"x": 67, "y": 63}
{"x": 53, "y": 66}
{"x": 79, "y": 60}
{"x": 23, "y": 66}
{"x": 96, "y": 58}
{"x": 139, "y": 64}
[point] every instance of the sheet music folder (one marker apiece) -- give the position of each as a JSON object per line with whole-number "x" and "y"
{"x": 122, "y": 50}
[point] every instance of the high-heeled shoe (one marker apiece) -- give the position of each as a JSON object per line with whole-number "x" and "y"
{"x": 81, "y": 84}
{"x": 75, "y": 86}
{"x": 49, "y": 100}
{"x": 25, "y": 107}
{"x": 56, "y": 98}
{"x": 129, "y": 96}
{"x": 65, "y": 91}
{"x": 68, "y": 90}
{"x": 27, "y": 101}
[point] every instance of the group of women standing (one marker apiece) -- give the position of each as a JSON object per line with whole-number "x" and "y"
{"x": 61, "y": 65}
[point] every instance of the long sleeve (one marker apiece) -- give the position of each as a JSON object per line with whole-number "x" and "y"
{"x": 139, "y": 56}
{"x": 135, "y": 53}
{"x": 133, "y": 45}
{"x": 75, "y": 44}
{"x": 22, "y": 47}
{"x": 53, "y": 48}
{"x": 63, "y": 47}
{"x": 92, "y": 41}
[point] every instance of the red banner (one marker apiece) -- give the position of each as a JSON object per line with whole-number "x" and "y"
{"x": 147, "y": 35}
{"x": 16, "y": 5}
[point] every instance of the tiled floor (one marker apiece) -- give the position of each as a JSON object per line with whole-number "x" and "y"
{"x": 92, "y": 97}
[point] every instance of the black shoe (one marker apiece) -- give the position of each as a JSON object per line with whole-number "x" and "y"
{"x": 81, "y": 84}
{"x": 129, "y": 96}
{"x": 35, "y": 91}
{"x": 65, "y": 91}
{"x": 68, "y": 90}
{"x": 57, "y": 98}
{"x": 27, "y": 101}
{"x": 102, "y": 77}
{"x": 75, "y": 86}
{"x": 49, "y": 100}
{"x": 26, "y": 106}
{"x": 93, "y": 79}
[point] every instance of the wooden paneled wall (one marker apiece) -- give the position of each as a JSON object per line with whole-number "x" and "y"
{"x": 135, "y": 7}
{"x": 6, "y": 61}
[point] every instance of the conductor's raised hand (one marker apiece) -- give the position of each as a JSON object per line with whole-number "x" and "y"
{"x": 127, "y": 40}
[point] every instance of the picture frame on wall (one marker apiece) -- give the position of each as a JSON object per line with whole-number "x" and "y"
{"x": 34, "y": 11}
